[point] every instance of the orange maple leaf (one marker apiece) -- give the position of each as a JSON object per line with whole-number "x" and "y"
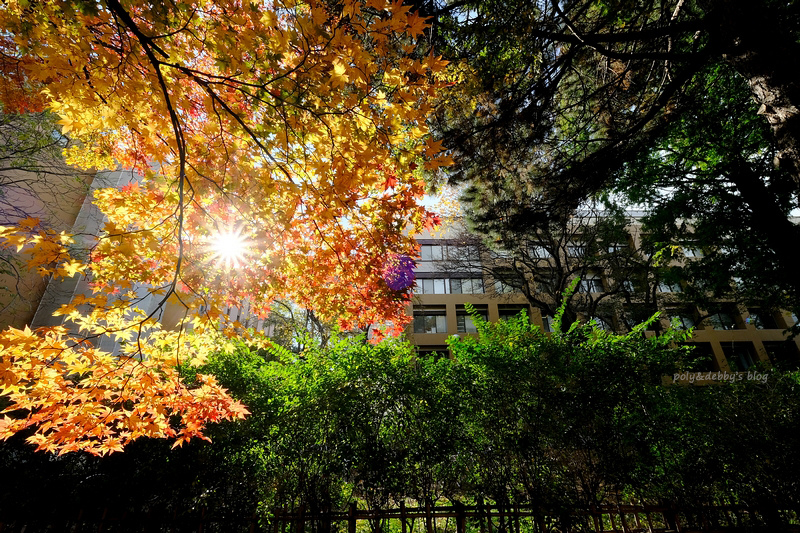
{"x": 417, "y": 24}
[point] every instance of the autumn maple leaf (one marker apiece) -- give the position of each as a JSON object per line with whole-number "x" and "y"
{"x": 282, "y": 122}
{"x": 416, "y": 25}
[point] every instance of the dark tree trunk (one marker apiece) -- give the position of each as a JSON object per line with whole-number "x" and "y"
{"x": 759, "y": 43}
{"x": 779, "y": 233}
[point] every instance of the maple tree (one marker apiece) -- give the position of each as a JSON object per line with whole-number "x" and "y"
{"x": 296, "y": 128}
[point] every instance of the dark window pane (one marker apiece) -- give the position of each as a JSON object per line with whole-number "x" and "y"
{"x": 722, "y": 320}
{"x": 740, "y": 355}
{"x": 761, "y": 319}
{"x": 456, "y": 286}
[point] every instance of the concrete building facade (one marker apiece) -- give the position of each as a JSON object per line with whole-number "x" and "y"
{"x": 733, "y": 338}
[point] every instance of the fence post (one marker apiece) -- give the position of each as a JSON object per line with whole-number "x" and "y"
{"x": 428, "y": 518}
{"x": 565, "y": 523}
{"x": 623, "y": 520}
{"x": 102, "y": 519}
{"x": 502, "y": 527}
{"x": 516, "y": 518}
{"x": 351, "y": 518}
{"x": 402, "y": 517}
{"x": 301, "y": 524}
{"x": 489, "y": 516}
{"x": 327, "y": 519}
{"x": 460, "y": 518}
{"x": 597, "y": 521}
{"x": 649, "y": 519}
{"x": 671, "y": 516}
{"x": 481, "y": 510}
{"x": 75, "y": 525}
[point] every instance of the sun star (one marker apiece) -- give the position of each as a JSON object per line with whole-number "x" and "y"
{"x": 228, "y": 248}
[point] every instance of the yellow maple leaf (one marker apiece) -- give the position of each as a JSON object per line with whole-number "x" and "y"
{"x": 70, "y": 268}
{"x": 339, "y": 75}
{"x": 28, "y": 223}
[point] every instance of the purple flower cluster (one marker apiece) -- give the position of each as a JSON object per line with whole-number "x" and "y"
{"x": 398, "y": 272}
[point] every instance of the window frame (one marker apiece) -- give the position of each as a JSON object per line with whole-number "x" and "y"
{"x": 589, "y": 283}
{"x": 431, "y": 256}
{"x": 539, "y": 251}
{"x": 682, "y": 315}
{"x": 575, "y": 250}
{"x": 471, "y": 282}
{"x": 501, "y": 285}
{"x": 759, "y": 317}
{"x": 423, "y": 314}
{"x": 733, "y": 352}
{"x": 672, "y": 287}
{"x": 719, "y": 315}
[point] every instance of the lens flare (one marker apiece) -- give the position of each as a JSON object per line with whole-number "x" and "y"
{"x": 398, "y": 272}
{"x": 229, "y": 248}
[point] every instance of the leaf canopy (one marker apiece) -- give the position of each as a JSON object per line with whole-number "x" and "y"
{"x": 296, "y": 125}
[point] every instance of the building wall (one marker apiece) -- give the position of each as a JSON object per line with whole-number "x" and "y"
{"x": 743, "y": 343}
{"x": 55, "y": 199}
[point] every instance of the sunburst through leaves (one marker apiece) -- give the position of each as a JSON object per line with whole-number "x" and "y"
{"x": 229, "y": 248}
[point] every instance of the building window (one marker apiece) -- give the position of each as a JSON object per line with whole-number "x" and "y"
{"x": 417, "y": 289}
{"x": 465, "y": 253}
{"x": 692, "y": 251}
{"x": 539, "y": 252}
{"x": 783, "y": 354}
{"x": 591, "y": 283}
{"x": 431, "y": 252}
{"x": 576, "y": 250}
{"x": 448, "y": 286}
{"x": 547, "y": 323}
{"x": 506, "y": 282}
{"x": 664, "y": 286}
{"x": 432, "y": 286}
{"x": 430, "y": 320}
{"x": 681, "y": 318}
{"x": 501, "y": 287}
{"x": 722, "y": 320}
{"x": 703, "y": 355}
{"x": 740, "y": 355}
{"x": 761, "y": 319}
{"x": 464, "y": 322}
{"x": 466, "y": 286}
{"x": 435, "y": 351}
{"x": 616, "y": 247}
{"x": 636, "y": 314}
{"x": 501, "y": 254}
{"x": 547, "y": 284}
{"x": 602, "y": 323}
{"x": 510, "y": 311}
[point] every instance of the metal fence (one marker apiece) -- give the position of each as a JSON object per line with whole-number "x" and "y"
{"x": 428, "y": 518}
